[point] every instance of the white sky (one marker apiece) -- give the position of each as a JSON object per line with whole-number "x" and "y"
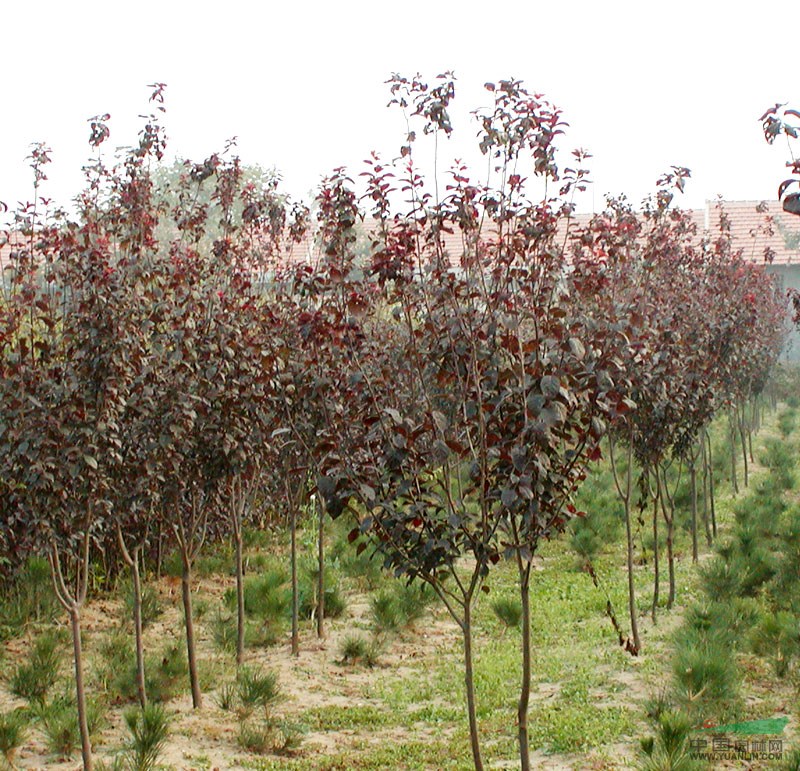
{"x": 643, "y": 85}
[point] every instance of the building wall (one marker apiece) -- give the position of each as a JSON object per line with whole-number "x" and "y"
{"x": 790, "y": 278}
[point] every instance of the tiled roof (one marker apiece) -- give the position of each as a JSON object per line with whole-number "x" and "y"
{"x": 757, "y": 228}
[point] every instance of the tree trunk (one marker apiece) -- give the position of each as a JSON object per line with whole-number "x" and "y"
{"x": 732, "y": 436}
{"x": 321, "y": 568}
{"x": 186, "y": 590}
{"x": 743, "y": 437}
{"x": 80, "y": 691}
{"x": 525, "y": 686}
{"x": 240, "y": 617}
{"x": 705, "y": 470}
{"x": 656, "y": 576}
{"x": 159, "y": 553}
{"x": 138, "y": 629}
{"x": 295, "y": 589}
{"x": 132, "y": 560}
{"x": 668, "y": 511}
{"x": 469, "y": 684}
{"x": 693, "y": 478}
{"x": 72, "y": 604}
{"x": 711, "y": 488}
{"x": 624, "y": 492}
{"x": 631, "y": 583}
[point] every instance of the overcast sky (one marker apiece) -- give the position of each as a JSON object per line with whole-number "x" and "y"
{"x": 643, "y": 85}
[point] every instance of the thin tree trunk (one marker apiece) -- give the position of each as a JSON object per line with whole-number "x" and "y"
{"x": 469, "y": 684}
{"x": 706, "y": 471}
{"x": 525, "y": 687}
{"x": 186, "y": 590}
{"x": 295, "y": 590}
{"x": 711, "y": 488}
{"x": 159, "y": 552}
{"x": 80, "y": 690}
{"x": 625, "y": 494}
{"x": 238, "y": 503}
{"x": 743, "y": 437}
{"x": 132, "y": 560}
{"x": 693, "y": 479}
{"x": 656, "y": 576}
{"x": 668, "y": 511}
{"x": 321, "y": 568}
{"x": 240, "y": 617}
{"x": 732, "y": 436}
{"x": 138, "y": 630}
{"x": 72, "y": 604}
{"x": 631, "y": 583}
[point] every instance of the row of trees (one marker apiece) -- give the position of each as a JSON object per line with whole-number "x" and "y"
{"x": 162, "y": 367}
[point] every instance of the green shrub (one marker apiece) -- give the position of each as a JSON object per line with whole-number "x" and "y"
{"x": 227, "y": 696}
{"x": 13, "y": 730}
{"x": 217, "y": 563}
{"x": 151, "y": 605}
{"x": 669, "y": 749}
{"x": 149, "y": 729}
{"x": 777, "y": 637}
{"x": 355, "y": 649}
{"x": 267, "y": 597}
{"x": 335, "y": 602}
{"x": 59, "y": 721}
{"x": 28, "y": 597}
{"x": 257, "y": 689}
{"x": 655, "y": 706}
{"x": 735, "y": 616}
{"x": 779, "y": 458}
{"x": 399, "y": 606}
{"x": 508, "y": 610}
{"x": 721, "y": 579}
{"x": 164, "y": 672}
{"x": 224, "y": 629}
{"x": 257, "y": 738}
{"x": 792, "y": 761}
{"x": 363, "y": 565}
{"x": 787, "y": 422}
{"x": 705, "y": 673}
{"x": 33, "y": 679}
